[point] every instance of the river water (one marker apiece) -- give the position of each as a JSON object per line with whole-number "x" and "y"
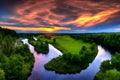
{"x": 40, "y": 73}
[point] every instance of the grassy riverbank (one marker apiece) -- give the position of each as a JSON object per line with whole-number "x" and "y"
{"x": 76, "y": 55}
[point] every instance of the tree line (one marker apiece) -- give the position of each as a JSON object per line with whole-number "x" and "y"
{"x": 110, "y": 41}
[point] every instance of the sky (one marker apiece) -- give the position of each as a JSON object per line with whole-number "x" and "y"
{"x": 60, "y": 16}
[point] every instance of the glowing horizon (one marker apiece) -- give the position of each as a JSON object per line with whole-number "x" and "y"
{"x": 43, "y": 29}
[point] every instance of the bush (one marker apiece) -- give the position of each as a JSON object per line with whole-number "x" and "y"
{"x": 2, "y": 74}
{"x": 40, "y": 47}
{"x": 7, "y": 45}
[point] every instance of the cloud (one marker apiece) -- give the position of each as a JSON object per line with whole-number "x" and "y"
{"x": 5, "y": 23}
{"x": 117, "y": 29}
{"x": 43, "y": 29}
{"x": 88, "y": 20}
{"x": 37, "y": 13}
{"x": 50, "y": 13}
{"x": 82, "y": 30}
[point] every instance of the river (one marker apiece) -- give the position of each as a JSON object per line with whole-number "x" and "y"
{"x": 40, "y": 73}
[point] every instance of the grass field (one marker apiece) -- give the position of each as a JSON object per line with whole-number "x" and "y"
{"x": 66, "y": 43}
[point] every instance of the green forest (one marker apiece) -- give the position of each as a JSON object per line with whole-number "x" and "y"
{"x": 16, "y": 61}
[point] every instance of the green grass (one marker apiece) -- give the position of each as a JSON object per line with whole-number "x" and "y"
{"x": 66, "y": 43}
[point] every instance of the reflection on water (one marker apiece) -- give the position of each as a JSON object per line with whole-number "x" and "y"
{"x": 94, "y": 67}
{"x": 39, "y": 72}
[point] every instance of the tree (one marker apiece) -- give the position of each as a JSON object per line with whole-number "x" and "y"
{"x": 112, "y": 74}
{"x": 2, "y": 74}
{"x": 7, "y": 45}
{"x": 105, "y": 66}
{"x": 116, "y": 61}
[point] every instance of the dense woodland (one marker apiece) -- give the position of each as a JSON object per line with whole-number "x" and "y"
{"x": 15, "y": 59}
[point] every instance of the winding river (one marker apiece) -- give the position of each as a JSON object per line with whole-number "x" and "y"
{"x": 40, "y": 73}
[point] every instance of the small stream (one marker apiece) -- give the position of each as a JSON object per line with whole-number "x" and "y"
{"x": 40, "y": 73}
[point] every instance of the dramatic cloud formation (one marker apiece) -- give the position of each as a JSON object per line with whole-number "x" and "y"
{"x": 88, "y": 20}
{"x": 55, "y": 15}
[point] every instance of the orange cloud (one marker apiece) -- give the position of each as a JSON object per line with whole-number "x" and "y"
{"x": 46, "y": 13}
{"x": 5, "y": 23}
{"x": 28, "y": 13}
{"x": 88, "y": 20}
{"x": 43, "y": 29}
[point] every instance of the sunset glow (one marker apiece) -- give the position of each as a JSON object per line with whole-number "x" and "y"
{"x": 43, "y": 29}
{"x": 70, "y": 16}
{"x": 88, "y": 20}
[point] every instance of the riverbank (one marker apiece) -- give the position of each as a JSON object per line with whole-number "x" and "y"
{"x": 110, "y": 69}
{"x": 76, "y": 55}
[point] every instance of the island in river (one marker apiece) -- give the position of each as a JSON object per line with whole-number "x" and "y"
{"x": 74, "y": 55}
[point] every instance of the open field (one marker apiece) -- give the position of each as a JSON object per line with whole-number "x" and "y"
{"x": 70, "y": 45}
